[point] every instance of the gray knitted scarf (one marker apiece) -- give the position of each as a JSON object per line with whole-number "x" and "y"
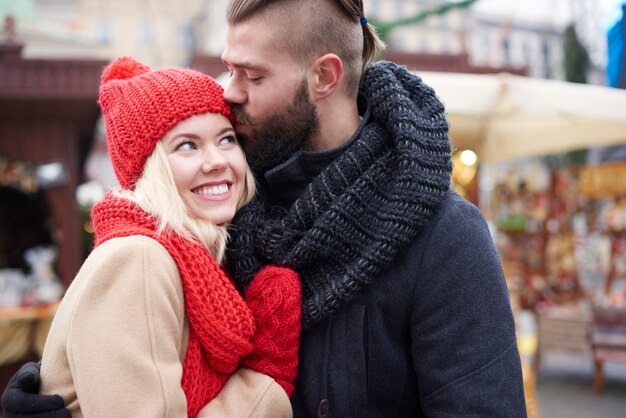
{"x": 364, "y": 208}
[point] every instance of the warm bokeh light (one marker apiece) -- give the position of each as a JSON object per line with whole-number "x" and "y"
{"x": 468, "y": 157}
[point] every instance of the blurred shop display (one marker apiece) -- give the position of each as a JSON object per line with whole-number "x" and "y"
{"x": 39, "y": 286}
{"x": 27, "y": 250}
{"x": 560, "y": 226}
{"x": 23, "y": 332}
{"x": 29, "y": 285}
{"x": 561, "y": 229}
{"x": 607, "y": 183}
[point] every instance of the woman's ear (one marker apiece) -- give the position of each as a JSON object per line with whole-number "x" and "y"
{"x": 326, "y": 72}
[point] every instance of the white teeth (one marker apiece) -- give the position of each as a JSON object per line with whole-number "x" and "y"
{"x": 213, "y": 190}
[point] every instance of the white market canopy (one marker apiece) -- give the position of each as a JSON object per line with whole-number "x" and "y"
{"x": 503, "y": 116}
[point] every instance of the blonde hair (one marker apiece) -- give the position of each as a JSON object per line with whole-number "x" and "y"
{"x": 317, "y": 27}
{"x": 156, "y": 193}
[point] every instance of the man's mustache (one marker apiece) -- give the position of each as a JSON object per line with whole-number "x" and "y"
{"x": 241, "y": 116}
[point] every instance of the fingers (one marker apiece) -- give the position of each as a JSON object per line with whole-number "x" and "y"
{"x": 19, "y": 402}
{"x": 61, "y": 413}
{"x": 21, "y": 398}
{"x": 28, "y": 377}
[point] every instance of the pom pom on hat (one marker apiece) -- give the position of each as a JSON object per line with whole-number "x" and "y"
{"x": 139, "y": 106}
{"x": 123, "y": 68}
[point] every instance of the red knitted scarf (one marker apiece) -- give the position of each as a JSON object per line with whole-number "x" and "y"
{"x": 221, "y": 324}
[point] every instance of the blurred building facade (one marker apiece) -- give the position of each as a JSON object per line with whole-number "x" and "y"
{"x": 163, "y": 33}
{"x": 157, "y": 32}
{"x": 495, "y": 40}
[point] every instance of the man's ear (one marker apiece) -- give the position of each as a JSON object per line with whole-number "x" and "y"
{"x": 327, "y": 71}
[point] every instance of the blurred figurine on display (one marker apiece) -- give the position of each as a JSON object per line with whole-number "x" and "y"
{"x": 405, "y": 308}
{"x": 47, "y": 285}
{"x": 152, "y": 326}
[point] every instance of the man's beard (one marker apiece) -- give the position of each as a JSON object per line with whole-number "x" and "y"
{"x": 277, "y": 137}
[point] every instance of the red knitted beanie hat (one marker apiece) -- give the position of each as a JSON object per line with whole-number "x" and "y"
{"x": 139, "y": 106}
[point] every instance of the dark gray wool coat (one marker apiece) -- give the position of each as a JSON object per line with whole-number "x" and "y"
{"x": 405, "y": 306}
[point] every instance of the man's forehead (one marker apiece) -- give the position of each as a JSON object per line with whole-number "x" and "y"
{"x": 245, "y": 45}
{"x": 254, "y": 50}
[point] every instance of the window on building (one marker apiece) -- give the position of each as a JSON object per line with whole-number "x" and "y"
{"x": 186, "y": 38}
{"x": 146, "y": 33}
{"x": 547, "y": 66}
{"x": 443, "y": 21}
{"x": 398, "y": 10}
{"x": 424, "y": 45}
{"x": 105, "y": 32}
{"x": 374, "y": 8}
{"x": 506, "y": 50}
{"x": 446, "y": 45}
{"x": 526, "y": 52}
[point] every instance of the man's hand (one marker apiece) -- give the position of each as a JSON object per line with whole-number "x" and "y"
{"x": 21, "y": 399}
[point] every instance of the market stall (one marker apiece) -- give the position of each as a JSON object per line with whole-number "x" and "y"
{"x": 48, "y": 111}
{"x": 527, "y": 134}
{"x": 557, "y": 213}
{"x": 560, "y": 229}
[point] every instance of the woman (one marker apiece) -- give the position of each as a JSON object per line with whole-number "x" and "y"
{"x": 151, "y": 325}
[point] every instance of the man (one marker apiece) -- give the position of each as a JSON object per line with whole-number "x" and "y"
{"x": 405, "y": 307}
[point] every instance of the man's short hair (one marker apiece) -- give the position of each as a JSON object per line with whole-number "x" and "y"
{"x": 309, "y": 29}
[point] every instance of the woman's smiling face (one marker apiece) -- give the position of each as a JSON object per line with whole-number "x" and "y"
{"x": 208, "y": 166}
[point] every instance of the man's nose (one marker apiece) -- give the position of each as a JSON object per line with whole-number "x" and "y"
{"x": 233, "y": 93}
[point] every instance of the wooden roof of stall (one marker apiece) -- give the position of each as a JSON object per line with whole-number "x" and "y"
{"x": 47, "y": 87}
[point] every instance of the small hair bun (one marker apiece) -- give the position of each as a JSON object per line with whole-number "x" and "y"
{"x": 123, "y": 68}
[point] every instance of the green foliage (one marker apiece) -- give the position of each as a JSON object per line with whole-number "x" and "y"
{"x": 384, "y": 28}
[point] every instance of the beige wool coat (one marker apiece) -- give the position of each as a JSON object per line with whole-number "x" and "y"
{"x": 118, "y": 340}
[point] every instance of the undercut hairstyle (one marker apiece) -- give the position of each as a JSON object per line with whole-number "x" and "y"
{"x": 156, "y": 193}
{"x": 309, "y": 29}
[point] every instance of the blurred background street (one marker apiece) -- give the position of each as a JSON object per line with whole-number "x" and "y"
{"x": 535, "y": 92}
{"x": 564, "y": 385}
{"x": 564, "y": 389}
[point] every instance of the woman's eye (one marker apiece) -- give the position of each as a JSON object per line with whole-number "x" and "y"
{"x": 185, "y": 146}
{"x": 230, "y": 139}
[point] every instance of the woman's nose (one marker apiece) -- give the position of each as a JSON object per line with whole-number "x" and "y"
{"x": 214, "y": 161}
